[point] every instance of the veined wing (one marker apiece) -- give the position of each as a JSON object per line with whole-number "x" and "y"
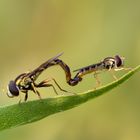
{"x": 36, "y": 72}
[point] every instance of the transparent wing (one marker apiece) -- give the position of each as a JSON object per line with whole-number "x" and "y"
{"x": 36, "y": 72}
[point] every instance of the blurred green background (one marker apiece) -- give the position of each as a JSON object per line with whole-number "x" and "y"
{"x": 32, "y": 31}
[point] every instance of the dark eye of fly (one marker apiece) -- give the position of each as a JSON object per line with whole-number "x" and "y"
{"x": 118, "y": 61}
{"x": 13, "y": 89}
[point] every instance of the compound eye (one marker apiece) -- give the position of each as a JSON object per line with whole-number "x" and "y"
{"x": 13, "y": 90}
{"x": 119, "y": 61}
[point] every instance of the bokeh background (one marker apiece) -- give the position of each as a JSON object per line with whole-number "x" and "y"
{"x": 32, "y": 31}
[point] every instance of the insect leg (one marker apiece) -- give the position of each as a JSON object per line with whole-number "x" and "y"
{"x": 26, "y": 96}
{"x": 127, "y": 68}
{"x": 45, "y": 84}
{"x": 118, "y": 69}
{"x": 19, "y": 99}
{"x": 114, "y": 76}
{"x": 97, "y": 79}
{"x": 35, "y": 91}
{"x": 60, "y": 86}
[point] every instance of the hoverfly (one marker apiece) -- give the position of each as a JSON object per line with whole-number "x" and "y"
{"x": 26, "y": 81}
{"x": 109, "y": 63}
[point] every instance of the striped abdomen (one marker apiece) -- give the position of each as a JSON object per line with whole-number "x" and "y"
{"x": 89, "y": 69}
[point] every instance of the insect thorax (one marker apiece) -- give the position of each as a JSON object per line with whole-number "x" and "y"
{"x": 109, "y": 63}
{"x": 24, "y": 82}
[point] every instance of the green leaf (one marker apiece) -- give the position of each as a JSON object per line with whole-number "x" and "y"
{"x": 27, "y": 112}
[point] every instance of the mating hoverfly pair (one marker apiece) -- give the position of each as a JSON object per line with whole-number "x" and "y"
{"x": 25, "y": 82}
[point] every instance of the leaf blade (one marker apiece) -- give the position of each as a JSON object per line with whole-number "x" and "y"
{"x": 24, "y": 113}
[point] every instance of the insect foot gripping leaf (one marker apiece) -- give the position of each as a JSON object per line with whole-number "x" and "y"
{"x": 27, "y": 112}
